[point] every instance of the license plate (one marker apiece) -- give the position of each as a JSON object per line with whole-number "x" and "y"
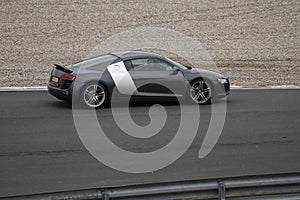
{"x": 55, "y": 79}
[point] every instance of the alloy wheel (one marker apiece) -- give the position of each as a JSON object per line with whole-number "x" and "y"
{"x": 94, "y": 95}
{"x": 200, "y": 92}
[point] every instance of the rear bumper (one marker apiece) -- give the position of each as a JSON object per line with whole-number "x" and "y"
{"x": 63, "y": 94}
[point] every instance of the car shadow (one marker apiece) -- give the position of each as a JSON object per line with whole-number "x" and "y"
{"x": 60, "y": 104}
{"x": 135, "y": 103}
{"x": 143, "y": 103}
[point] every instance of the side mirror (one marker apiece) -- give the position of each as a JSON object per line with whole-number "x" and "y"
{"x": 176, "y": 70}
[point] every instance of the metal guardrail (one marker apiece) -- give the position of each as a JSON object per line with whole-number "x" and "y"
{"x": 271, "y": 187}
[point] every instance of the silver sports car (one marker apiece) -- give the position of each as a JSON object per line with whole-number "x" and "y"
{"x": 93, "y": 82}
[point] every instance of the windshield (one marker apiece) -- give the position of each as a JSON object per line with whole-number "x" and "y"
{"x": 177, "y": 64}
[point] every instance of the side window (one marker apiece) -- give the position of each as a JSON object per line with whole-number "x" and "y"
{"x": 139, "y": 62}
{"x": 148, "y": 64}
{"x": 128, "y": 65}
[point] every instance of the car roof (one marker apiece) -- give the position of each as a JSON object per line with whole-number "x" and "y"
{"x": 135, "y": 54}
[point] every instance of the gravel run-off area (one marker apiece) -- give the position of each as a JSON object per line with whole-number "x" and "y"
{"x": 253, "y": 42}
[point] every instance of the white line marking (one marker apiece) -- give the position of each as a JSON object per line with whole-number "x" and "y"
{"x": 28, "y": 89}
{"x": 235, "y": 87}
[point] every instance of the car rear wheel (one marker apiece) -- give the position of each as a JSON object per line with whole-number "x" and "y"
{"x": 200, "y": 92}
{"x": 94, "y": 95}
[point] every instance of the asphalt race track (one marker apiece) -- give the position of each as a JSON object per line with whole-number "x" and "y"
{"x": 40, "y": 150}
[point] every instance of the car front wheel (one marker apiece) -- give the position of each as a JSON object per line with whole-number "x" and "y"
{"x": 200, "y": 92}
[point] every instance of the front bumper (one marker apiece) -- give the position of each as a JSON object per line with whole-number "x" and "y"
{"x": 221, "y": 90}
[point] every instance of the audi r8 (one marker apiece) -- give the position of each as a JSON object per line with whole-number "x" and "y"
{"x": 93, "y": 81}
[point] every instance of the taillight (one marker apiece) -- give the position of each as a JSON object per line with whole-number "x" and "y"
{"x": 68, "y": 77}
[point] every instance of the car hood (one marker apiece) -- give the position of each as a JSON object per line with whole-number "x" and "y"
{"x": 207, "y": 73}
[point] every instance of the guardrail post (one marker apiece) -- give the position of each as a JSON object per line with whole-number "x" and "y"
{"x": 221, "y": 190}
{"x": 105, "y": 195}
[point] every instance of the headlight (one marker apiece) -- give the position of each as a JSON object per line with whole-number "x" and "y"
{"x": 222, "y": 80}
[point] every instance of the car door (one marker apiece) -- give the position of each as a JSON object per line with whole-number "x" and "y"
{"x": 155, "y": 77}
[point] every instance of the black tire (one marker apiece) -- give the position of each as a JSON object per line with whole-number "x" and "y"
{"x": 200, "y": 92}
{"x": 93, "y": 95}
